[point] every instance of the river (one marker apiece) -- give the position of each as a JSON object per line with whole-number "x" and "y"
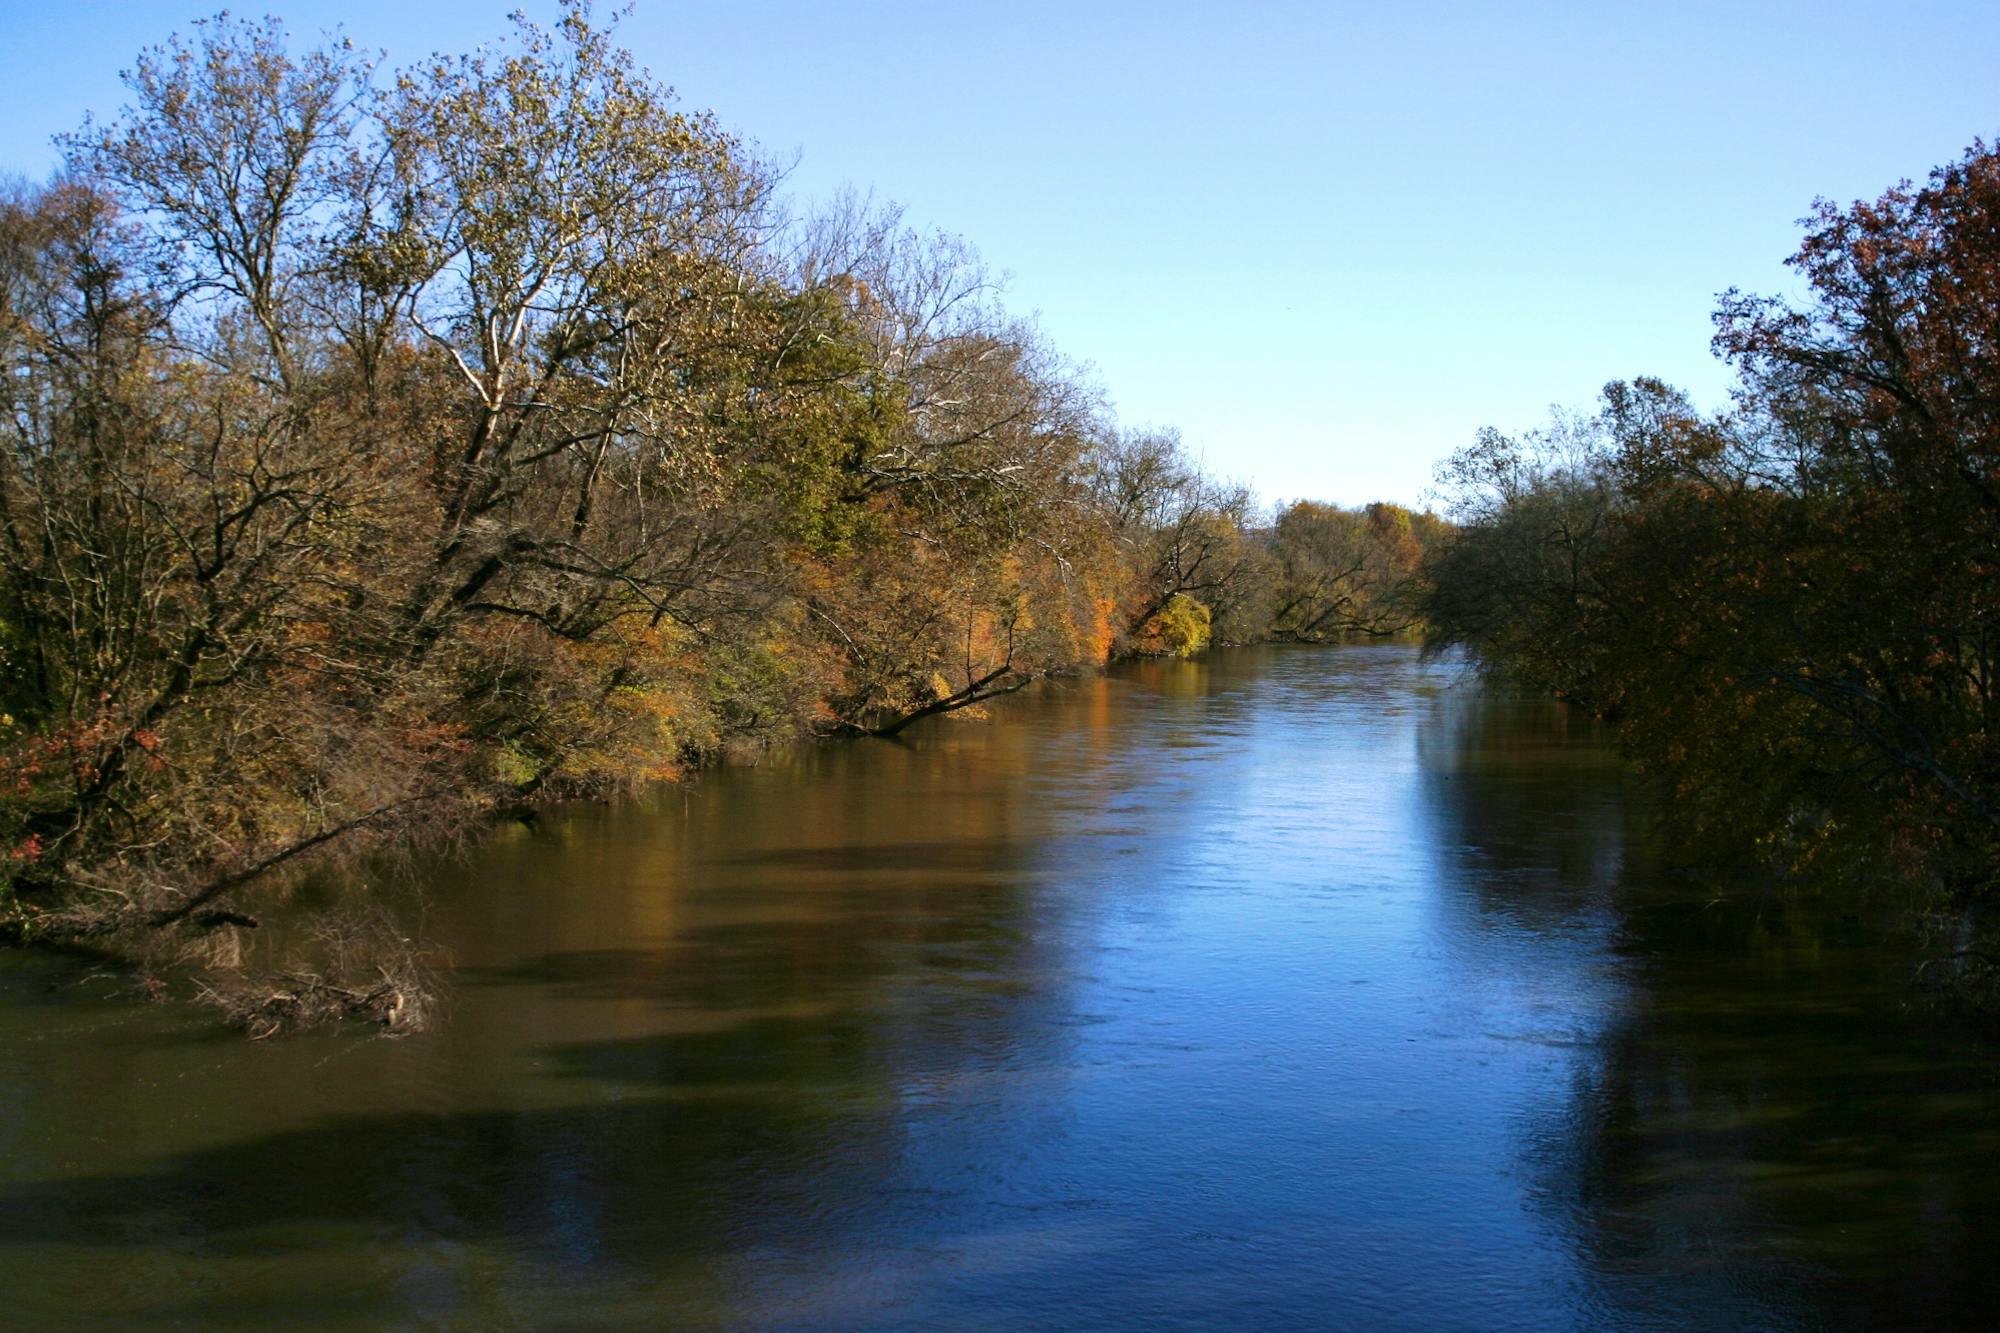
{"x": 1288, "y": 987}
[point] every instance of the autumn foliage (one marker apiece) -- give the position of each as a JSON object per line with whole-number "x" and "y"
{"x": 384, "y": 448}
{"x": 1788, "y": 608}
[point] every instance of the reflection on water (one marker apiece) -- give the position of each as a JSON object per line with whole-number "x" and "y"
{"x": 1288, "y": 987}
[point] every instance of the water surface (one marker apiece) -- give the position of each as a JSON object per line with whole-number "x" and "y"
{"x": 1305, "y": 987}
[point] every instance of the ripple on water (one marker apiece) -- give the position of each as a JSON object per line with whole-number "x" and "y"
{"x": 1291, "y": 987}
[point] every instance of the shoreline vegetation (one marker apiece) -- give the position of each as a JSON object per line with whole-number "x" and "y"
{"x": 391, "y": 450}
{"x": 1786, "y": 610}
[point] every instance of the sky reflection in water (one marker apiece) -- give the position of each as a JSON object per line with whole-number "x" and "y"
{"x": 1291, "y": 986}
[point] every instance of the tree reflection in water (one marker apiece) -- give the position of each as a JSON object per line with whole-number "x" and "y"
{"x": 1293, "y": 986}
{"x": 1767, "y": 1132}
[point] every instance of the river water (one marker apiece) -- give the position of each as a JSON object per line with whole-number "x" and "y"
{"x": 1290, "y": 987}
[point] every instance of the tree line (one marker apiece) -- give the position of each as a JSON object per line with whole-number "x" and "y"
{"x": 1788, "y": 607}
{"x": 385, "y": 447}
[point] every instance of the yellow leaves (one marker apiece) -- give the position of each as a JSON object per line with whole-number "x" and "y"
{"x": 512, "y": 767}
{"x": 1181, "y": 628}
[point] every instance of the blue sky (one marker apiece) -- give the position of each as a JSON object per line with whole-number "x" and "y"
{"x": 1328, "y": 241}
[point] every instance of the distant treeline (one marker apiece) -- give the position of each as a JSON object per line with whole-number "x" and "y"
{"x": 386, "y": 448}
{"x": 1788, "y": 608}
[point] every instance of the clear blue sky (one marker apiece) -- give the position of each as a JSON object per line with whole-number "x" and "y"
{"x": 1327, "y": 241}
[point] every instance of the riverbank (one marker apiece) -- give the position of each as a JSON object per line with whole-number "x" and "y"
{"x": 1276, "y": 986}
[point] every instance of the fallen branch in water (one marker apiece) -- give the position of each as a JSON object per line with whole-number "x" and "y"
{"x": 400, "y": 1001}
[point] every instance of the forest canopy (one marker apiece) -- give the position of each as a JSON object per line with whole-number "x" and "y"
{"x": 385, "y": 447}
{"x": 1788, "y": 608}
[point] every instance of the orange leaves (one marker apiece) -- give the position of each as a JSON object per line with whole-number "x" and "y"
{"x": 1102, "y": 631}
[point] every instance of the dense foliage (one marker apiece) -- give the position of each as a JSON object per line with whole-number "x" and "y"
{"x": 382, "y": 448}
{"x": 1790, "y": 607}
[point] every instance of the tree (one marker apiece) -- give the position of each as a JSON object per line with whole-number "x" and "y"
{"x": 1790, "y": 606}
{"x": 1521, "y": 582}
{"x": 1886, "y": 388}
{"x": 1348, "y": 571}
{"x": 957, "y": 561}
{"x": 386, "y": 448}
{"x": 1184, "y": 535}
